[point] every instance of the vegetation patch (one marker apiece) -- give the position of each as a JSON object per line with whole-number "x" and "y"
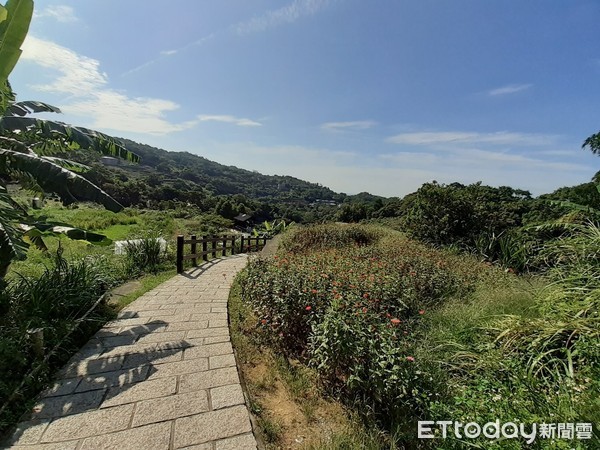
{"x": 399, "y": 331}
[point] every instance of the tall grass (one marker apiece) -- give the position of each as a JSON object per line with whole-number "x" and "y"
{"x": 40, "y": 326}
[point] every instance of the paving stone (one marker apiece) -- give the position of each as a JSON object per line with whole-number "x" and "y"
{"x": 208, "y": 379}
{"x": 217, "y": 323}
{"x": 117, "y": 341}
{"x": 67, "y": 404}
{"x": 209, "y": 316}
{"x": 88, "y": 424}
{"x": 71, "y": 445}
{"x": 204, "y": 351}
{"x": 156, "y": 437}
{"x": 207, "y": 446}
{"x": 91, "y": 366}
{"x": 140, "y": 391}
{"x": 216, "y": 339}
{"x": 127, "y": 314}
{"x": 242, "y": 442}
{"x": 127, "y": 322}
{"x": 131, "y": 349}
{"x": 116, "y": 378}
{"x": 29, "y": 432}
{"x": 165, "y": 336}
{"x": 138, "y": 330}
{"x": 176, "y": 318}
{"x": 178, "y": 368}
{"x": 211, "y": 426}
{"x": 186, "y": 326}
{"x": 172, "y": 407}
{"x": 156, "y": 312}
{"x": 154, "y": 357}
{"x": 62, "y": 387}
{"x": 209, "y": 332}
{"x": 224, "y": 396}
{"x": 216, "y": 362}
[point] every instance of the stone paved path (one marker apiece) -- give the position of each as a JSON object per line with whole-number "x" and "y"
{"x": 161, "y": 376}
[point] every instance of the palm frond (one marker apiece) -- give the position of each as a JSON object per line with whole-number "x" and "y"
{"x": 68, "y": 164}
{"x": 11, "y": 244}
{"x": 13, "y": 31}
{"x": 78, "y": 137}
{"x": 53, "y": 178}
{"x": 29, "y": 107}
{"x": 39, "y": 229}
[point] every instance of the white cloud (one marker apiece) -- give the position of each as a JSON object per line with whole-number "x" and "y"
{"x": 229, "y": 119}
{"x": 112, "y": 110}
{"x": 286, "y": 14}
{"x": 80, "y": 78}
{"x": 78, "y": 74}
{"x": 61, "y": 13}
{"x": 354, "y": 125}
{"x": 472, "y": 138}
{"x": 166, "y": 53}
{"x": 509, "y": 89}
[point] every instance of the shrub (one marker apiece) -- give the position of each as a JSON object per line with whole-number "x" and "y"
{"x": 352, "y": 311}
{"x": 145, "y": 254}
{"x": 329, "y": 236}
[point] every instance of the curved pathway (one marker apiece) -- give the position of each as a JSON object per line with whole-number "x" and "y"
{"x": 161, "y": 376}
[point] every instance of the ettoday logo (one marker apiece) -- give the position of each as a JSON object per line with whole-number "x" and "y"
{"x": 429, "y": 429}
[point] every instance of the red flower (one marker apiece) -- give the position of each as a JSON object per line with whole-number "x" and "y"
{"x": 263, "y": 321}
{"x": 410, "y": 358}
{"x": 395, "y": 321}
{"x": 308, "y": 308}
{"x": 366, "y": 295}
{"x": 314, "y": 291}
{"x": 421, "y": 311}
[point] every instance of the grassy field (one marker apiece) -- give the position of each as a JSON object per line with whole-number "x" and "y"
{"x": 397, "y": 332}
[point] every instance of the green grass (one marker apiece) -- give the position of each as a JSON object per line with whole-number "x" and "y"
{"x": 148, "y": 282}
{"x": 119, "y": 232}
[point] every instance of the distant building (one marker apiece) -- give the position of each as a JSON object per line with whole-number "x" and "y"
{"x": 243, "y": 219}
{"x": 324, "y": 202}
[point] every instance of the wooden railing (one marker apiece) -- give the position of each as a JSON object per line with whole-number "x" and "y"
{"x": 219, "y": 245}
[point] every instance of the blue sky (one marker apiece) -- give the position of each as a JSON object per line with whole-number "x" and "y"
{"x": 377, "y": 96}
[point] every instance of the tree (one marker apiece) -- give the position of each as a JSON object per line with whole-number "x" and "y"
{"x": 593, "y": 143}
{"x": 30, "y": 149}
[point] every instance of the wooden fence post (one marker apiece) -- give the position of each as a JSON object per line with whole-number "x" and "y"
{"x": 224, "y": 252}
{"x": 242, "y": 244}
{"x": 179, "y": 254}
{"x": 233, "y": 245}
{"x": 204, "y": 248}
{"x": 214, "y": 246}
{"x": 194, "y": 260}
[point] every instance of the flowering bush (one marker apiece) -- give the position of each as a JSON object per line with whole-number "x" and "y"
{"x": 351, "y": 310}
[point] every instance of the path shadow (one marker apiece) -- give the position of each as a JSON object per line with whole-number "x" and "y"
{"x": 102, "y": 372}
